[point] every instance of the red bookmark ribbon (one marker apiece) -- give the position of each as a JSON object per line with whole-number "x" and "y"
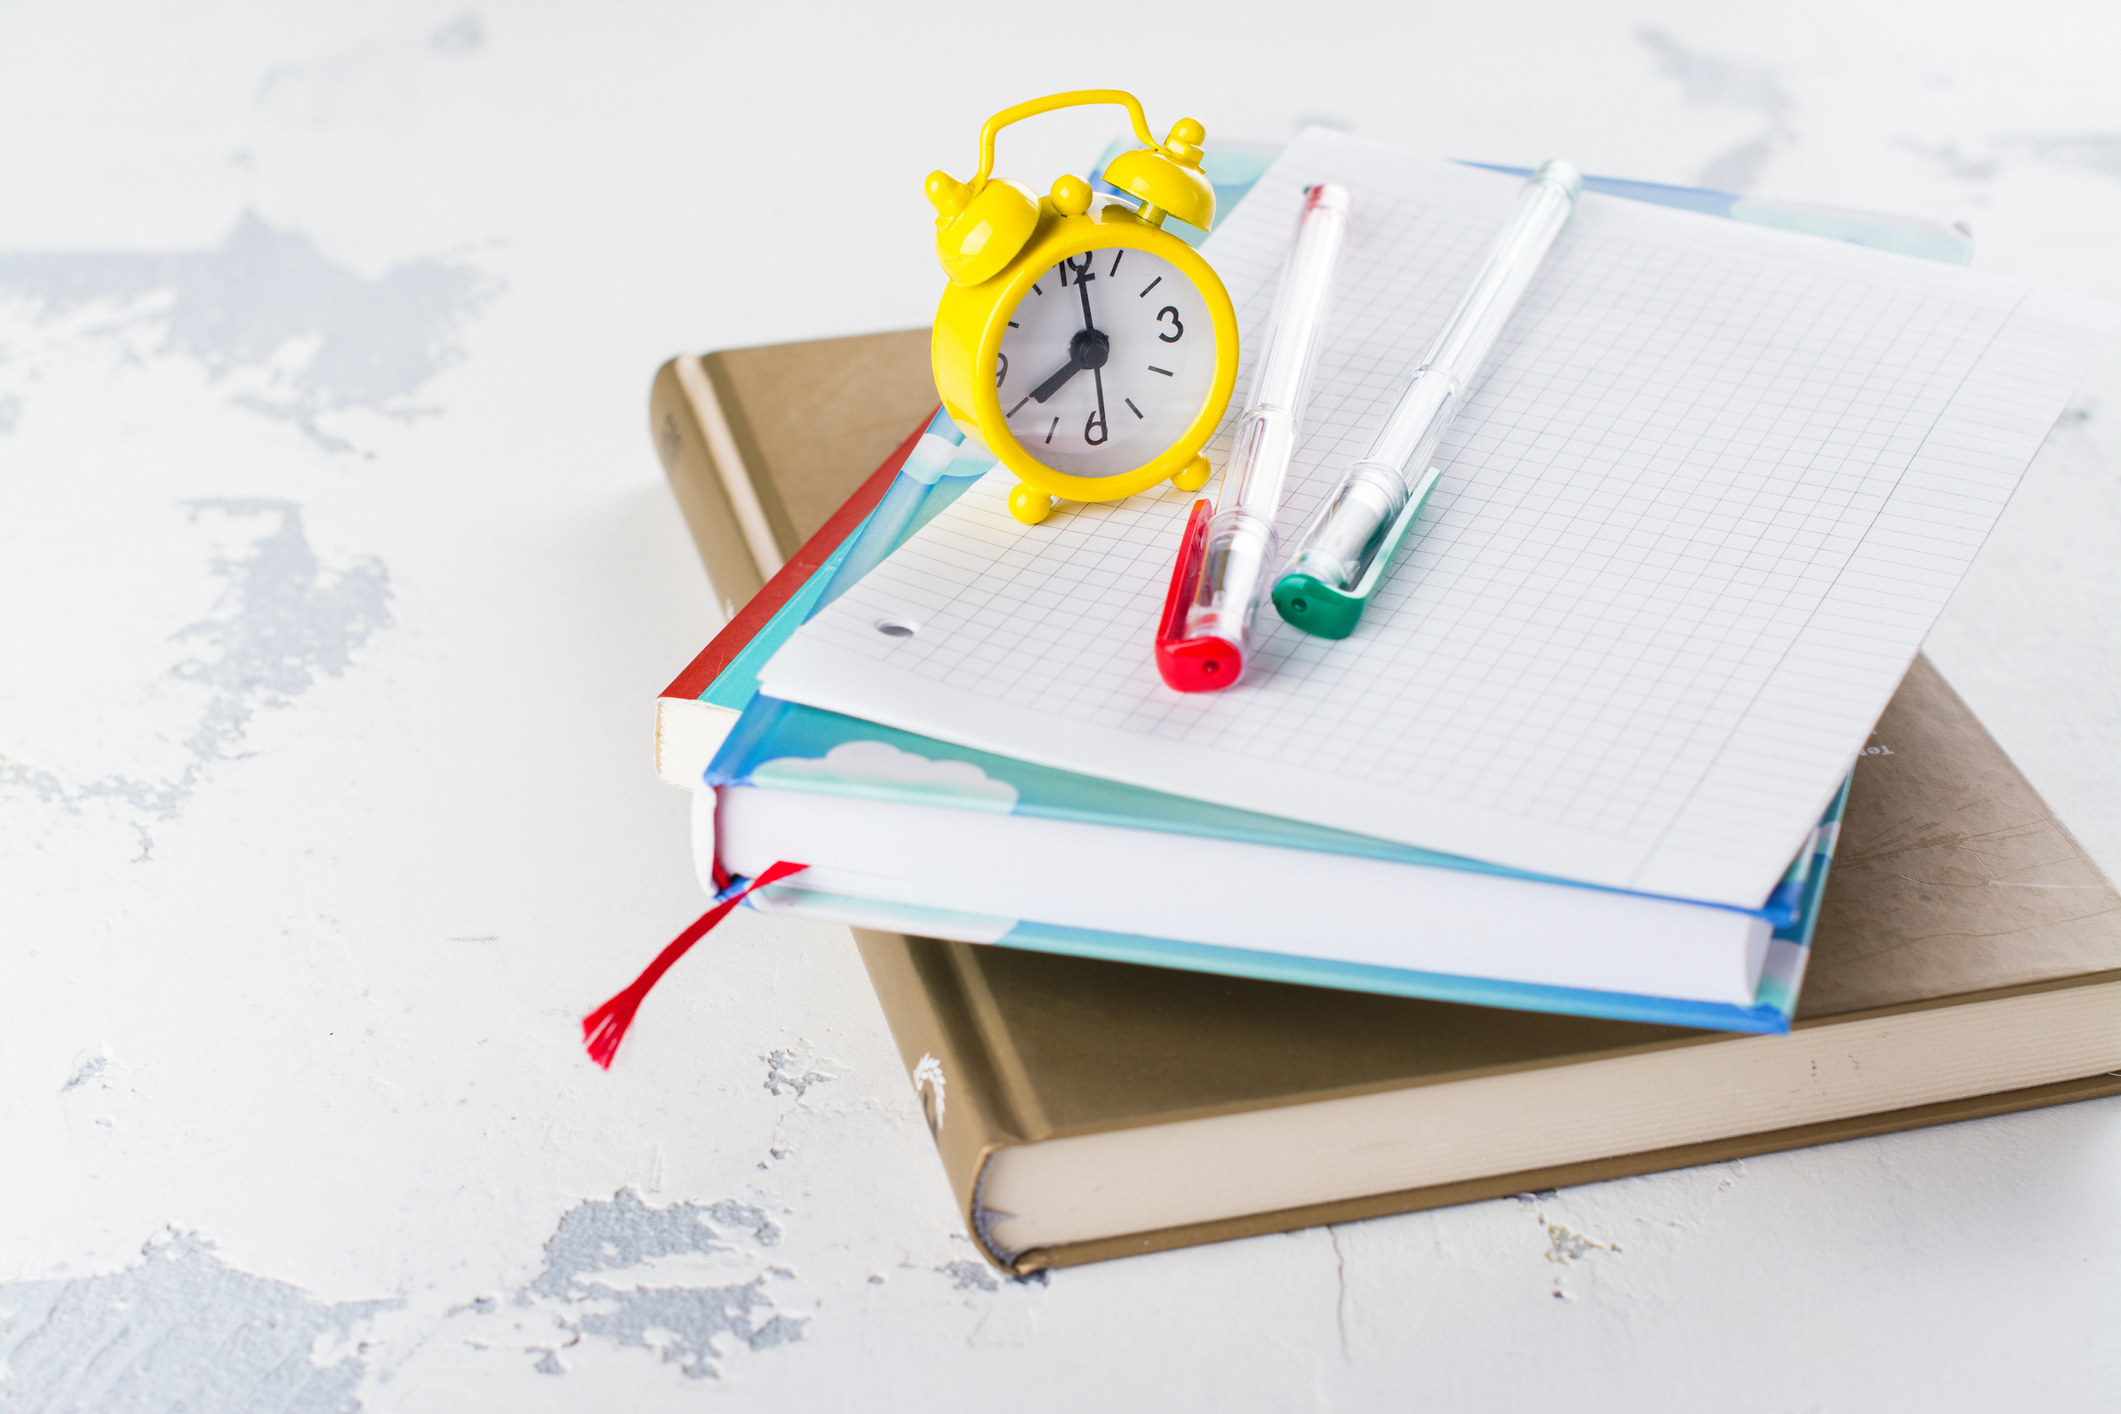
{"x": 604, "y": 1028}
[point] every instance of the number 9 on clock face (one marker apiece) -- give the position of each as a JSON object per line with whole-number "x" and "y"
{"x": 1107, "y": 360}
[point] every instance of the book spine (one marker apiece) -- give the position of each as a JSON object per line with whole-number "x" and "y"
{"x": 963, "y": 1092}
{"x": 759, "y": 512}
{"x": 760, "y": 609}
{"x": 699, "y": 484}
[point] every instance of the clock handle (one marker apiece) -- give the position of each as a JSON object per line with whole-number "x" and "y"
{"x": 982, "y": 224}
{"x": 1165, "y": 177}
{"x": 1074, "y": 98}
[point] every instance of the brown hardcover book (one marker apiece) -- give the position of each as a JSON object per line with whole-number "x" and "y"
{"x": 1967, "y": 962}
{"x": 762, "y": 445}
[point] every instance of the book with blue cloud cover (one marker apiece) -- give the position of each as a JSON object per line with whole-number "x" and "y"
{"x": 909, "y": 834}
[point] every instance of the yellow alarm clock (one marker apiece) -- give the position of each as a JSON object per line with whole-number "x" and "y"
{"x": 1092, "y": 351}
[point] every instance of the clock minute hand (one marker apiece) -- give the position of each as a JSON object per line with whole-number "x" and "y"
{"x": 1082, "y": 349}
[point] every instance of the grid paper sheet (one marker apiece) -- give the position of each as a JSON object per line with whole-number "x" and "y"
{"x": 1711, "y": 492}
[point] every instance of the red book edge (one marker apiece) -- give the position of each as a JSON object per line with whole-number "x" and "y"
{"x": 701, "y": 672}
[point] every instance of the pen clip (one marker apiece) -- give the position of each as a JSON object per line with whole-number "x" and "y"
{"x": 1192, "y": 664}
{"x": 1319, "y": 608}
{"x": 1191, "y": 546}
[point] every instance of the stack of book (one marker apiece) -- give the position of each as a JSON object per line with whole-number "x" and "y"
{"x": 1352, "y": 1025}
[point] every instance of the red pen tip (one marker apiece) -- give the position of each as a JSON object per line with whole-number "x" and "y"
{"x": 1200, "y": 664}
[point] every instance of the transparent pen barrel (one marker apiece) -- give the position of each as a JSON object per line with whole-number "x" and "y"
{"x": 1281, "y": 382}
{"x": 1337, "y": 547}
{"x": 1234, "y": 566}
{"x": 1345, "y": 533}
{"x": 1542, "y": 207}
{"x": 1414, "y": 431}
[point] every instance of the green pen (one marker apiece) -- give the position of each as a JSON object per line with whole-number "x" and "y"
{"x": 1349, "y": 545}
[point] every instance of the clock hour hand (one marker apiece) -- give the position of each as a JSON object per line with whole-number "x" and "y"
{"x": 1060, "y": 376}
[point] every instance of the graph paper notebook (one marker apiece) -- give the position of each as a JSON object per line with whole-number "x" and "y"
{"x": 1712, "y": 491}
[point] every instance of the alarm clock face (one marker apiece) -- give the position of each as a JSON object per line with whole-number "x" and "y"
{"x": 1107, "y": 360}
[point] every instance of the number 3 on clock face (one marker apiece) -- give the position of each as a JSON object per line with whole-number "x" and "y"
{"x": 1107, "y": 360}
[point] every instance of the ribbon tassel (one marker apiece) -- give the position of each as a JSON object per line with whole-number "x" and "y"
{"x": 604, "y": 1028}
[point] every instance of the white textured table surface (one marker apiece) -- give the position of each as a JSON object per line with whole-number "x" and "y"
{"x": 337, "y": 577}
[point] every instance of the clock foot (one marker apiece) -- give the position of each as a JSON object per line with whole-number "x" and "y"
{"x": 1028, "y": 504}
{"x": 1193, "y": 477}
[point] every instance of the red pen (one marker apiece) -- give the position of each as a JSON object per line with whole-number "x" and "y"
{"x": 1221, "y": 571}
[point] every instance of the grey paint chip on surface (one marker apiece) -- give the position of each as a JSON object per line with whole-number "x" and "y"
{"x": 368, "y": 343}
{"x": 285, "y": 620}
{"x": 182, "y": 1330}
{"x": 684, "y": 1323}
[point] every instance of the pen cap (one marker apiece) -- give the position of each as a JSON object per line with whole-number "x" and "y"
{"x": 1197, "y": 653}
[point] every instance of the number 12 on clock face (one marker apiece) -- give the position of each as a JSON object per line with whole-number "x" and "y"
{"x": 1107, "y": 360}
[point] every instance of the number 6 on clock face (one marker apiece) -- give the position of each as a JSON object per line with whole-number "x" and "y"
{"x": 1107, "y": 360}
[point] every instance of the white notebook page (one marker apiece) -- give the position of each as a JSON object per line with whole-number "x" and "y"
{"x": 1712, "y": 490}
